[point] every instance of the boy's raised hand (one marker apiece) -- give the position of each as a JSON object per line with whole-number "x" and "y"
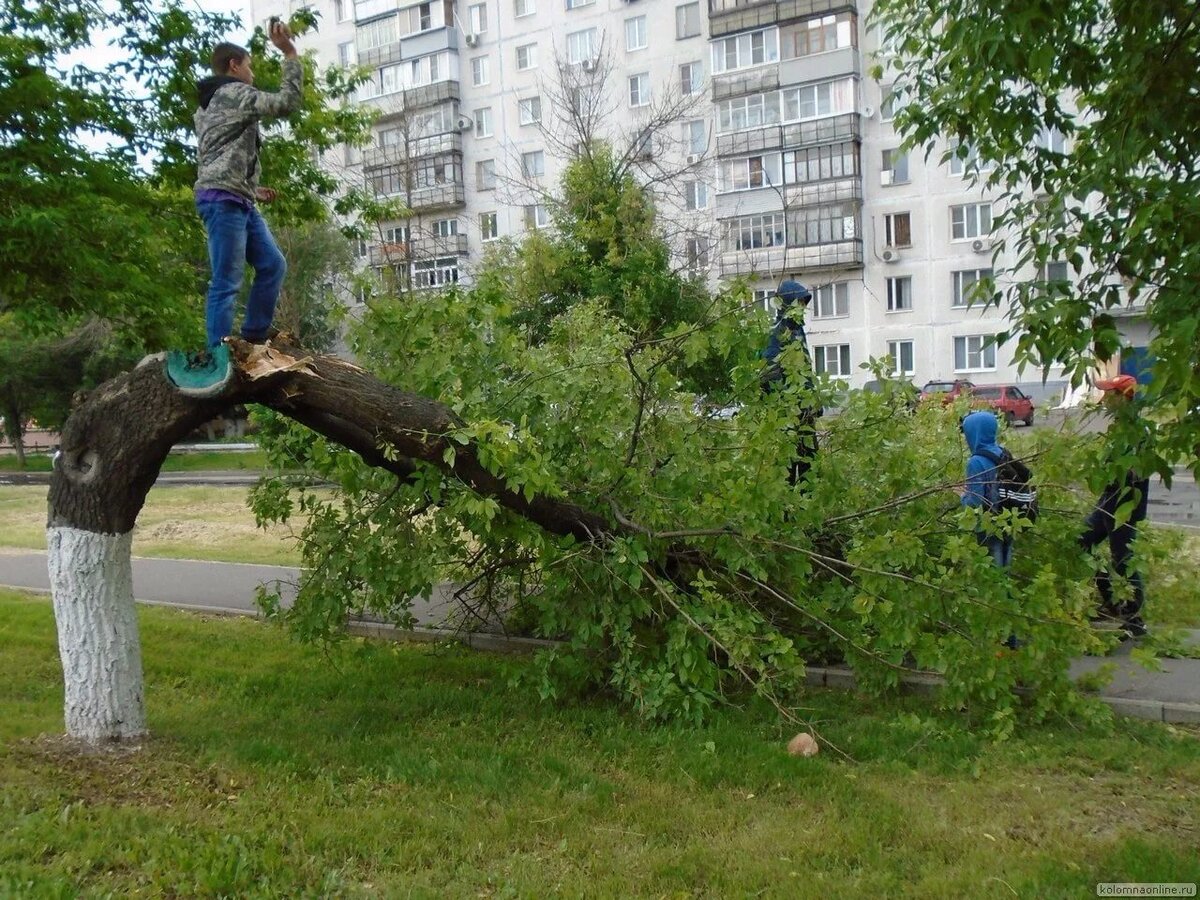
{"x": 281, "y": 37}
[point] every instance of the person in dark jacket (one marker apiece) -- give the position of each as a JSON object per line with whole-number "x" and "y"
{"x": 227, "y": 191}
{"x": 788, "y": 332}
{"x": 1102, "y": 524}
{"x": 982, "y": 486}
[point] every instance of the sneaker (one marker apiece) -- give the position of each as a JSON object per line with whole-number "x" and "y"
{"x": 204, "y": 374}
{"x": 1134, "y": 627}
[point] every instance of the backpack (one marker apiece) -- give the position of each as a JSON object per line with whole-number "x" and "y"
{"x": 1014, "y": 485}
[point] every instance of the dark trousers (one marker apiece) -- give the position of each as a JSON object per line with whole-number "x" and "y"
{"x": 806, "y": 445}
{"x": 1099, "y": 526}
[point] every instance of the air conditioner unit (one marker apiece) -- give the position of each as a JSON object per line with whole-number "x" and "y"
{"x": 886, "y": 176}
{"x": 589, "y": 65}
{"x": 981, "y": 245}
{"x": 890, "y": 255}
{"x": 464, "y": 124}
{"x": 694, "y": 158}
{"x": 472, "y": 40}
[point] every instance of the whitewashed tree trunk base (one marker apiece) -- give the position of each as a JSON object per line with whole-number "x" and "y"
{"x": 91, "y": 577}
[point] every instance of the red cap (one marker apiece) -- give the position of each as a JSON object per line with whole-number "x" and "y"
{"x": 1125, "y": 384}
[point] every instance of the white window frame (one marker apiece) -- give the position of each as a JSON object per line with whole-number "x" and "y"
{"x": 695, "y": 80}
{"x": 961, "y": 285}
{"x": 639, "y": 90}
{"x": 444, "y": 228}
{"x": 695, "y": 195}
{"x": 899, "y": 290}
{"x": 891, "y": 97}
{"x": 831, "y": 301}
{"x": 435, "y": 273}
{"x": 824, "y": 354}
{"x": 894, "y": 167}
{"x": 746, "y": 174}
{"x": 891, "y": 231}
{"x": 581, "y": 45}
{"x": 533, "y": 163}
{"x": 481, "y": 71}
{"x": 536, "y": 216}
{"x": 747, "y": 50}
{"x": 485, "y": 175}
{"x": 477, "y": 15}
{"x": 695, "y": 136}
{"x": 341, "y": 11}
{"x": 968, "y": 219}
{"x": 749, "y": 233}
{"x": 530, "y": 62}
{"x": 489, "y": 226}
{"x": 980, "y": 346}
{"x": 522, "y": 8}
{"x": 637, "y": 35}
{"x": 896, "y": 352}
{"x": 529, "y": 110}
{"x": 969, "y": 165}
{"x": 576, "y": 4}
{"x": 483, "y": 122}
{"x": 685, "y": 26}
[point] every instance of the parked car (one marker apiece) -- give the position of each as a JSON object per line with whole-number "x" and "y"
{"x": 902, "y": 390}
{"x": 1007, "y": 400}
{"x": 949, "y": 391}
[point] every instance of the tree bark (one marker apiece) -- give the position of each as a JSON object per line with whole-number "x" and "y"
{"x": 113, "y": 446}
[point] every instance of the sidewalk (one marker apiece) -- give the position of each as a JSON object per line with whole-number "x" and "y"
{"x": 1172, "y": 695}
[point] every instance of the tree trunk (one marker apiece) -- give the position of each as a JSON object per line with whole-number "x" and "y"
{"x": 113, "y": 446}
{"x": 14, "y": 428}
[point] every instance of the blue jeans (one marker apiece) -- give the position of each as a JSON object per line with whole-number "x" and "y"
{"x": 1000, "y": 549}
{"x": 238, "y": 235}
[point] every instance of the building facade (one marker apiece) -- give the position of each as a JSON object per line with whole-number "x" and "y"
{"x": 787, "y": 159}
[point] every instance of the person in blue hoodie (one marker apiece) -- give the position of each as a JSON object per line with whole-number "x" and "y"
{"x": 982, "y": 486}
{"x": 788, "y": 331}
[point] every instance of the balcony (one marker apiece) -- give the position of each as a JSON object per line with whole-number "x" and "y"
{"x": 775, "y": 260}
{"x": 380, "y": 56}
{"x": 439, "y": 196}
{"x": 426, "y": 246}
{"x": 365, "y": 10}
{"x": 820, "y": 193}
{"x": 756, "y": 81}
{"x": 417, "y": 148}
{"x": 831, "y": 130}
{"x": 731, "y": 16}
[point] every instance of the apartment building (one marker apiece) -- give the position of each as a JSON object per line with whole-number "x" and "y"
{"x": 789, "y": 163}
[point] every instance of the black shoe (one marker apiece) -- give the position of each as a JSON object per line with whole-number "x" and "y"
{"x": 1134, "y": 627}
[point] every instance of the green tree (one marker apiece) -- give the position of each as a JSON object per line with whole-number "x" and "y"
{"x": 321, "y": 266}
{"x": 1118, "y": 198}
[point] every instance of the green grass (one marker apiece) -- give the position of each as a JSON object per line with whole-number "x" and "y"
{"x": 418, "y": 771}
{"x": 209, "y": 522}
{"x": 201, "y": 461}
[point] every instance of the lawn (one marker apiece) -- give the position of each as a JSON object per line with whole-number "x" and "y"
{"x": 389, "y": 770}
{"x": 209, "y": 522}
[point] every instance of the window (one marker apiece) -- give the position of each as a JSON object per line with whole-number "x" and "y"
{"x": 831, "y": 301}
{"x": 526, "y": 57}
{"x": 970, "y": 286}
{"x": 478, "y": 17}
{"x": 635, "y": 33}
{"x": 360, "y": 248}
{"x": 581, "y": 45}
{"x": 818, "y": 36}
{"x": 536, "y": 216}
{"x": 1056, "y": 272}
{"x": 695, "y": 254}
{"x": 964, "y": 160}
{"x": 748, "y": 112}
{"x": 395, "y": 235}
{"x": 353, "y": 155}
{"x": 346, "y": 54}
{"x": 483, "y": 122}
{"x": 639, "y": 89}
{"x": 820, "y": 163}
{"x": 340, "y": 12}
{"x": 377, "y": 34}
{"x": 529, "y": 110}
{"x": 973, "y": 352}
{"x": 753, "y": 233}
{"x": 480, "y": 74}
{"x": 575, "y": 4}
{"x": 901, "y": 353}
{"x": 443, "y": 228}
{"x": 485, "y": 174}
{"x": 745, "y": 50}
{"x": 895, "y": 167}
{"x": 489, "y": 227}
{"x": 420, "y": 18}
{"x": 1051, "y": 139}
{"x": 523, "y": 8}
{"x": 894, "y": 99}
{"x": 695, "y": 137}
{"x": 813, "y": 101}
{"x": 897, "y": 230}
{"x": 832, "y": 359}
{"x": 695, "y": 195}
{"x": 971, "y": 220}
{"x": 433, "y": 273}
{"x": 533, "y": 164}
{"x": 899, "y": 293}
{"x": 764, "y": 297}
{"x": 687, "y": 20}
{"x": 743, "y": 174}
{"x": 691, "y": 79}
{"x": 826, "y": 224}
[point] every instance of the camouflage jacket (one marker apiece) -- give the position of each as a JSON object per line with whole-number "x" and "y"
{"x": 227, "y": 128}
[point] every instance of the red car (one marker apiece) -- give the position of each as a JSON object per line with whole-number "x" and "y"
{"x": 949, "y": 391}
{"x": 1007, "y": 400}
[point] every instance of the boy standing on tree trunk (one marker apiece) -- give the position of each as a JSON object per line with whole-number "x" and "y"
{"x": 227, "y": 190}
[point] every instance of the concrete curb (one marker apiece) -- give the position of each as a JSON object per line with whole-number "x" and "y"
{"x": 922, "y": 683}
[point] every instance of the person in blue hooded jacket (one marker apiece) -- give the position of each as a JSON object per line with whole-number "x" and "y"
{"x": 788, "y": 331}
{"x": 982, "y": 485}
